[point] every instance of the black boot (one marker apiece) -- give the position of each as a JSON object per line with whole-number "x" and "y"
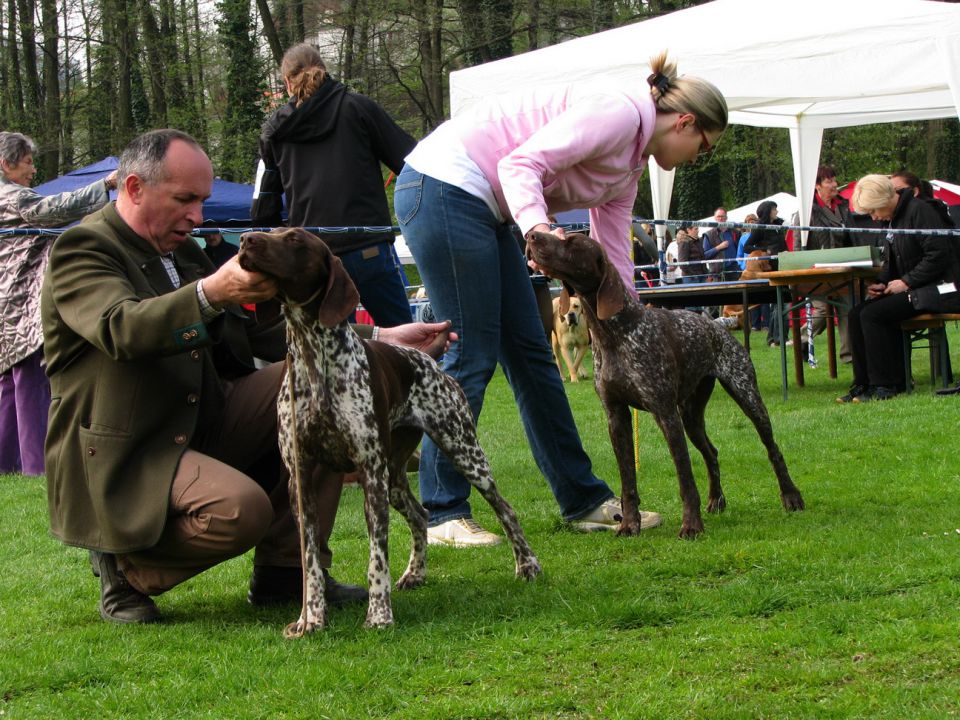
{"x": 271, "y": 585}
{"x": 120, "y": 602}
{"x": 339, "y": 594}
{"x": 955, "y": 390}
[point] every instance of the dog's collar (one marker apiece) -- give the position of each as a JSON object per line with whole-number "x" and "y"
{"x": 316, "y": 294}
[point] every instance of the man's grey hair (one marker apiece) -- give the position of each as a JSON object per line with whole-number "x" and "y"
{"x": 15, "y": 146}
{"x": 144, "y": 155}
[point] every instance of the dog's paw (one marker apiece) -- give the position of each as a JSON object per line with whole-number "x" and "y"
{"x": 792, "y": 501}
{"x": 717, "y": 504}
{"x": 690, "y": 531}
{"x": 298, "y": 629}
{"x": 529, "y": 568}
{"x": 629, "y": 528}
{"x": 379, "y": 610}
{"x": 410, "y": 580}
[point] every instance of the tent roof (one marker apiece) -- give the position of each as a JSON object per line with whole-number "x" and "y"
{"x": 228, "y": 202}
{"x": 829, "y": 63}
{"x": 805, "y": 66}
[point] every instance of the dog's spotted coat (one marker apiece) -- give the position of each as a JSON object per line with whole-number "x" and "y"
{"x": 360, "y": 405}
{"x": 664, "y": 362}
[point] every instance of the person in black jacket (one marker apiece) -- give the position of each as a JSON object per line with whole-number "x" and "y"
{"x": 323, "y": 151}
{"x": 920, "y": 274}
{"x": 830, "y": 210}
{"x": 771, "y": 242}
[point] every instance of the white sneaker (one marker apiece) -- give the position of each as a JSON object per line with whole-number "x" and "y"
{"x": 461, "y": 532}
{"x": 607, "y": 516}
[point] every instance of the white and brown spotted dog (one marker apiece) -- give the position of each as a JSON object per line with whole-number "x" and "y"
{"x": 362, "y": 406}
{"x": 664, "y": 362}
{"x": 570, "y": 338}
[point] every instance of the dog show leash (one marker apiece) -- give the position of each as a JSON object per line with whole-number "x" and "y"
{"x": 295, "y": 474}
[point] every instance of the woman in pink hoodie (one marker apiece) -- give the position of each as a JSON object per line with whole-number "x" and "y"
{"x": 513, "y": 161}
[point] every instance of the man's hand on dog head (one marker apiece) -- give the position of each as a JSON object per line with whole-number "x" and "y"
{"x": 543, "y": 227}
{"x": 231, "y": 284}
{"x": 432, "y": 338}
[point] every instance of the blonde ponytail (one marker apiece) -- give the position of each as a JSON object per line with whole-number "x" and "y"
{"x": 686, "y": 94}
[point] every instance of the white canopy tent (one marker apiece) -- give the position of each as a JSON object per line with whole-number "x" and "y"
{"x": 803, "y": 65}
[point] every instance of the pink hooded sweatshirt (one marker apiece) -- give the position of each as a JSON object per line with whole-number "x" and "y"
{"x": 564, "y": 148}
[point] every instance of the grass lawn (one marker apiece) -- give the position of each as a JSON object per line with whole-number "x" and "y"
{"x": 850, "y": 609}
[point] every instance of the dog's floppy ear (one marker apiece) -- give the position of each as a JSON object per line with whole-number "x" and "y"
{"x": 340, "y": 297}
{"x": 610, "y": 292}
{"x": 564, "y": 300}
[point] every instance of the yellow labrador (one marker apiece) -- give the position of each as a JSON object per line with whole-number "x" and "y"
{"x": 570, "y": 338}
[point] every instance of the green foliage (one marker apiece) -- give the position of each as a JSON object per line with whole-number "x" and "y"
{"x": 244, "y": 92}
{"x": 849, "y": 609}
{"x": 696, "y": 191}
{"x": 948, "y": 151}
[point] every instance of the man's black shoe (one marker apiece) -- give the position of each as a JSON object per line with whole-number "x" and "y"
{"x": 855, "y": 392}
{"x": 271, "y": 585}
{"x": 879, "y": 392}
{"x": 955, "y": 390}
{"x": 339, "y": 594}
{"x": 120, "y": 602}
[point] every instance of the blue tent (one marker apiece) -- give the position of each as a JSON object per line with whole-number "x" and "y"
{"x": 229, "y": 202}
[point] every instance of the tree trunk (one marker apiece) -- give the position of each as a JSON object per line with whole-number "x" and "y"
{"x": 533, "y": 25}
{"x": 152, "y": 42}
{"x": 201, "y": 84}
{"x": 50, "y": 130}
{"x": 15, "y": 89}
{"x": 28, "y": 43}
{"x": 66, "y": 151}
{"x": 270, "y": 31}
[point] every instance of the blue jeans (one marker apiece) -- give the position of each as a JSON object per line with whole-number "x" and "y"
{"x": 476, "y": 276}
{"x": 375, "y": 273}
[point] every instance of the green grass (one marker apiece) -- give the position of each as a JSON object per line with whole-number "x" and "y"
{"x": 850, "y": 609}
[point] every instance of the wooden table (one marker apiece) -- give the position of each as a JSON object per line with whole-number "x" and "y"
{"x": 739, "y": 292}
{"x": 840, "y": 286}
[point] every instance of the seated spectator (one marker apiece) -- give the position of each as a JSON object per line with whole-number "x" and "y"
{"x": 771, "y": 242}
{"x": 720, "y": 247}
{"x": 217, "y": 249}
{"x": 741, "y": 255}
{"x": 24, "y": 389}
{"x": 690, "y": 252}
{"x": 830, "y": 210}
{"x": 759, "y": 314}
{"x": 916, "y": 271}
{"x": 673, "y": 273}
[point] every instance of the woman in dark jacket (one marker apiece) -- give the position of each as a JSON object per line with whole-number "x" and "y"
{"x": 323, "y": 151}
{"x": 771, "y": 242}
{"x": 690, "y": 250}
{"x": 919, "y": 275}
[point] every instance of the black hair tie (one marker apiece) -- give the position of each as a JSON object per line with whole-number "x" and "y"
{"x": 660, "y": 81}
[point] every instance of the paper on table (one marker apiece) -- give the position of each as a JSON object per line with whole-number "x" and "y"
{"x": 849, "y": 263}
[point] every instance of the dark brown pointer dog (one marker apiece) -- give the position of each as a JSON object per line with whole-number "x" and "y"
{"x": 361, "y": 405}
{"x": 664, "y": 362}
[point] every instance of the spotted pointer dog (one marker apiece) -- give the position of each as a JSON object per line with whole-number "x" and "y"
{"x": 362, "y": 405}
{"x": 664, "y": 362}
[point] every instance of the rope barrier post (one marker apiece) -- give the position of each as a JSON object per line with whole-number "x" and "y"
{"x": 636, "y": 439}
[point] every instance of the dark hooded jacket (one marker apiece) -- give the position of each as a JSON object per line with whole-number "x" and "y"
{"x": 771, "y": 241}
{"x": 923, "y": 262}
{"x": 325, "y": 157}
